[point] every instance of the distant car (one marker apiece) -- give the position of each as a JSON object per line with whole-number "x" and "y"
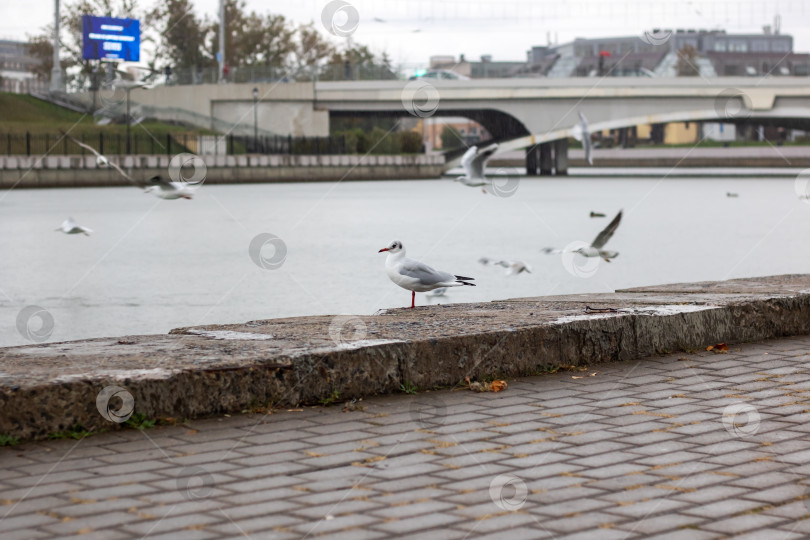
{"x": 441, "y": 74}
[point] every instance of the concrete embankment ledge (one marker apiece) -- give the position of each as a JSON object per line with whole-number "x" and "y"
{"x": 83, "y": 171}
{"x": 206, "y": 370}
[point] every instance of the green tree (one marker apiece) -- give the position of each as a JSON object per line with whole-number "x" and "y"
{"x": 348, "y": 64}
{"x": 410, "y": 142}
{"x": 251, "y": 39}
{"x": 310, "y": 49}
{"x": 182, "y": 37}
{"x": 41, "y": 48}
{"x": 687, "y": 62}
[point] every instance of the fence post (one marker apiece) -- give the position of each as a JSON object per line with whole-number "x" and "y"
{"x": 64, "y": 145}
{"x": 289, "y": 144}
{"x": 27, "y": 143}
{"x": 230, "y": 145}
{"x": 47, "y": 142}
{"x": 82, "y": 147}
{"x": 101, "y": 142}
{"x": 168, "y": 144}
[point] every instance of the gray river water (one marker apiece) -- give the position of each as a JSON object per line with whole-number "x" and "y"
{"x": 152, "y": 265}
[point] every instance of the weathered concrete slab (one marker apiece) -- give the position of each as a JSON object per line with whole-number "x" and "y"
{"x": 212, "y": 369}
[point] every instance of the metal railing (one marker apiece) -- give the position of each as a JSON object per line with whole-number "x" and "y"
{"x": 36, "y": 144}
{"x": 268, "y": 74}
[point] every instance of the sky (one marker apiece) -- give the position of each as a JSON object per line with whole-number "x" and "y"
{"x": 411, "y": 31}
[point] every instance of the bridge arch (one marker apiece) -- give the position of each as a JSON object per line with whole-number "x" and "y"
{"x": 796, "y": 117}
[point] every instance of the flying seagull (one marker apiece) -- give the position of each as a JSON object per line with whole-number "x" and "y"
{"x": 595, "y": 249}
{"x": 69, "y": 226}
{"x": 581, "y": 133}
{"x": 416, "y": 276}
{"x": 441, "y": 291}
{"x": 156, "y": 185}
{"x": 473, "y": 162}
{"x": 514, "y": 268}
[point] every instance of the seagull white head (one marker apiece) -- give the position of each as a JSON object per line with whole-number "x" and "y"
{"x": 393, "y": 247}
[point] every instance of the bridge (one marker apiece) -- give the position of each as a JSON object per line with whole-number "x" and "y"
{"x": 534, "y": 113}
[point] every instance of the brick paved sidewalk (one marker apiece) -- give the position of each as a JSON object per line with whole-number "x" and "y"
{"x": 685, "y": 446}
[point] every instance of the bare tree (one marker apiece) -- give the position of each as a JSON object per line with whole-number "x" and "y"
{"x": 687, "y": 62}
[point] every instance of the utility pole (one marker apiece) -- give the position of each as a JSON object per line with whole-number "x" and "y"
{"x": 221, "y": 55}
{"x": 57, "y": 78}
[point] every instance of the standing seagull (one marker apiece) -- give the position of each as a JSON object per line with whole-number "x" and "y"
{"x": 595, "y": 249}
{"x": 156, "y": 185}
{"x": 69, "y": 226}
{"x": 473, "y": 162}
{"x": 416, "y": 276}
{"x": 581, "y": 133}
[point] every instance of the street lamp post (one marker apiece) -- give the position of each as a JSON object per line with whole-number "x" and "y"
{"x": 128, "y": 88}
{"x": 129, "y": 119}
{"x": 255, "y": 117}
{"x": 57, "y": 77}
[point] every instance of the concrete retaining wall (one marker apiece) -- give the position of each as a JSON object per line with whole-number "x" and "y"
{"x": 286, "y": 362}
{"x": 82, "y": 171}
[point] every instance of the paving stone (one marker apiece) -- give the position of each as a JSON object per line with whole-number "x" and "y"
{"x": 743, "y": 523}
{"x": 429, "y": 521}
{"x": 595, "y": 520}
{"x": 684, "y": 534}
{"x": 657, "y": 524}
{"x": 98, "y": 521}
{"x": 166, "y": 522}
{"x": 620, "y": 453}
{"x": 519, "y": 533}
{"x": 725, "y": 508}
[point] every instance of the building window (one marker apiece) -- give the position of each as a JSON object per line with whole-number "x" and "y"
{"x": 759, "y": 46}
{"x": 780, "y": 46}
{"x": 720, "y": 45}
{"x": 737, "y": 46}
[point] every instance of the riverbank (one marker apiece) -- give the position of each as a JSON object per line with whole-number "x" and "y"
{"x": 200, "y": 371}
{"x": 83, "y": 171}
{"x": 677, "y": 157}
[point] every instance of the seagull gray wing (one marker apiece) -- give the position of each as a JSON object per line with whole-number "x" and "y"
{"x": 480, "y": 160}
{"x": 467, "y": 158}
{"x": 424, "y": 273}
{"x": 112, "y": 163}
{"x": 607, "y": 232}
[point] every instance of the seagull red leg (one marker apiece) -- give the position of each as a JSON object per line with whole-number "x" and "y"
{"x": 413, "y": 299}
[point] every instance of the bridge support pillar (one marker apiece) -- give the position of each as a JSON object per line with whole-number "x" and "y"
{"x": 561, "y": 157}
{"x": 532, "y": 155}
{"x": 546, "y": 163}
